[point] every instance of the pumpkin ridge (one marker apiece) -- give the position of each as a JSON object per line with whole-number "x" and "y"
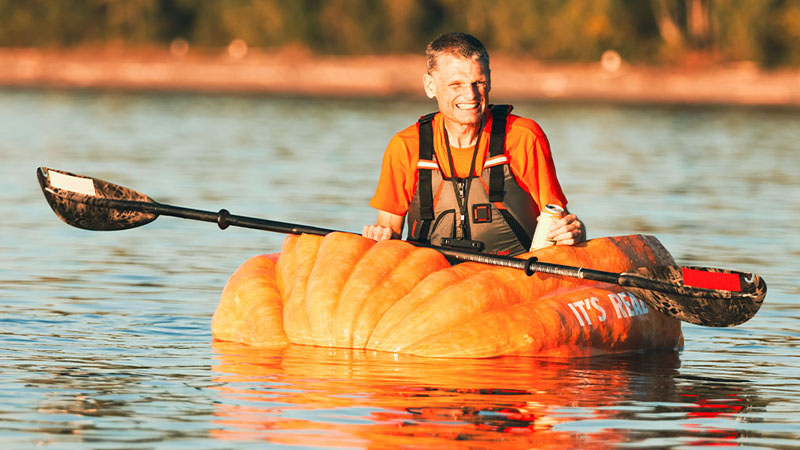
{"x": 437, "y": 311}
{"x": 469, "y": 339}
{"x": 396, "y": 277}
{"x": 286, "y": 261}
{"x": 362, "y": 271}
{"x": 428, "y": 287}
{"x": 341, "y": 334}
{"x": 338, "y": 254}
{"x": 250, "y": 308}
{"x": 295, "y": 318}
{"x": 452, "y": 339}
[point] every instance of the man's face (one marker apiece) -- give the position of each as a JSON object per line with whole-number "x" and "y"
{"x": 461, "y": 87}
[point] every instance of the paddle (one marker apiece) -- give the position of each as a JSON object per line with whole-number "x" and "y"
{"x": 699, "y": 295}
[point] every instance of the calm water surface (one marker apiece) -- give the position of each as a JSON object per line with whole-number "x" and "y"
{"x": 105, "y": 336}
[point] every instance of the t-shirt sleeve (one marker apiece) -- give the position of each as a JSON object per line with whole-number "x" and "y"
{"x": 396, "y": 182}
{"x": 532, "y": 164}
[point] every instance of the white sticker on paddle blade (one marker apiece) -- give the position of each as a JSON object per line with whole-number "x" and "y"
{"x": 66, "y": 182}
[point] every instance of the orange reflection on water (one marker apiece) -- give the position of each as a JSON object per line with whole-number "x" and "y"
{"x": 313, "y": 396}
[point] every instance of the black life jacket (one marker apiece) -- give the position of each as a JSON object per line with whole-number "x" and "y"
{"x": 500, "y": 221}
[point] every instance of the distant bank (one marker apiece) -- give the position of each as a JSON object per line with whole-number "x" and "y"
{"x": 391, "y": 76}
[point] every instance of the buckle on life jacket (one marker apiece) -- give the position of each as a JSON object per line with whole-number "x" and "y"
{"x": 463, "y": 243}
{"x": 482, "y": 213}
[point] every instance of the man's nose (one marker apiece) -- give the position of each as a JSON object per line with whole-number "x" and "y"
{"x": 474, "y": 90}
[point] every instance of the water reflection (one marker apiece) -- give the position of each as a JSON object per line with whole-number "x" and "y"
{"x": 90, "y": 387}
{"x": 315, "y": 396}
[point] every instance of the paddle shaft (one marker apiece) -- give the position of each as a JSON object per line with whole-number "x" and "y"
{"x": 224, "y": 219}
{"x": 531, "y": 265}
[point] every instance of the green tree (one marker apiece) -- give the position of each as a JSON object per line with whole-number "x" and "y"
{"x": 765, "y": 31}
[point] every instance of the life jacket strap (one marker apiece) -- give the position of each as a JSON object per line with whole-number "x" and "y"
{"x": 425, "y": 182}
{"x": 516, "y": 228}
{"x": 497, "y": 147}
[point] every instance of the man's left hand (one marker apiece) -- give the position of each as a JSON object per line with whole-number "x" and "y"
{"x": 568, "y": 230}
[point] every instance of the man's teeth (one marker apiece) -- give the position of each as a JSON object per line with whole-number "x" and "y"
{"x": 466, "y": 105}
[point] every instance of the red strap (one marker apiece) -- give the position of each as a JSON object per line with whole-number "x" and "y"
{"x": 711, "y": 280}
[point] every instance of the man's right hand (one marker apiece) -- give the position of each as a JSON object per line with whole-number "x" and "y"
{"x": 388, "y": 226}
{"x": 377, "y": 232}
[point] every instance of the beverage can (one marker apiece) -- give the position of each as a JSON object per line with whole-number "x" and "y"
{"x": 549, "y": 214}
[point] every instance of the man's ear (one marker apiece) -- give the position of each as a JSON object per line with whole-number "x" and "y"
{"x": 429, "y": 85}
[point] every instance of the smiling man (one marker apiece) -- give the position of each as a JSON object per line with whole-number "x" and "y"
{"x": 472, "y": 175}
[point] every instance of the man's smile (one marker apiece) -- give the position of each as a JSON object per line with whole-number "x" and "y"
{"x": 471, "y": 105}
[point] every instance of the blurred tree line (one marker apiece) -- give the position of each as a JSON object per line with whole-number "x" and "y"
{"x": 648, "y": 31}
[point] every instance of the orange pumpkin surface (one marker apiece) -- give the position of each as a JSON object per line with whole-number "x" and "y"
{"x": 342, "y": 290}
{"x": 251, "y": 301}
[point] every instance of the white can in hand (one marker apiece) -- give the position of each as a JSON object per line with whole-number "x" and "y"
{"x": 550, "y": 213}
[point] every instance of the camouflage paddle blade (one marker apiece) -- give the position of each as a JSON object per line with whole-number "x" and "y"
{"x": 700, "y": 295}
{"x": 90, "y": 203}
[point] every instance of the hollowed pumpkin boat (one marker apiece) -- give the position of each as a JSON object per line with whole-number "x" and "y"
{"x": 341, "y": 290}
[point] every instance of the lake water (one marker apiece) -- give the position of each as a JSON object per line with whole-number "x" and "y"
{"x": 105, "y": 336}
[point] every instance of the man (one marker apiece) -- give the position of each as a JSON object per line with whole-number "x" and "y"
{"x": 429, "y": 169}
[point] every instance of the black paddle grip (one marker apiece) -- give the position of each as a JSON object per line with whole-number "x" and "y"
{"x": 222, "y": 219}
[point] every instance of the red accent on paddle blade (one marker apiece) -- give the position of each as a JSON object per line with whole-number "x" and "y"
{"x": 711, "y": 280}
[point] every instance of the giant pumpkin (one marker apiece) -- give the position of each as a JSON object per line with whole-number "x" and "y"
{"x": 342, "y": 290}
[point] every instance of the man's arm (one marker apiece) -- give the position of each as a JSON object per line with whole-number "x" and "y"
{"x": 537, "y": 174}
{"x": 388, "y": 226}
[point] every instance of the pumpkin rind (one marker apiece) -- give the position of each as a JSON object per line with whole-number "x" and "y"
{"x": 300, "y": 259}
{"x": 338, "y": 255}
{"x": 342, "y": 290}
{"x": 251, "y": 301}
{"x": 387, "y": 273}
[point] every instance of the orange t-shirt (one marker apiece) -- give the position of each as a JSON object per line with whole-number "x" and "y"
{"x": 526, "y": 147}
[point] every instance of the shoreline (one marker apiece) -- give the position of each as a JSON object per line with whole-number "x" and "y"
{"x": 287, "y": 73}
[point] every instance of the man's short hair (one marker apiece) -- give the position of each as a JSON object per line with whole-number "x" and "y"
{"x": 458, "y": 44}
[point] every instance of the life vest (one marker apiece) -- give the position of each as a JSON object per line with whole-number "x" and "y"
{"x": 498, "y": 217}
